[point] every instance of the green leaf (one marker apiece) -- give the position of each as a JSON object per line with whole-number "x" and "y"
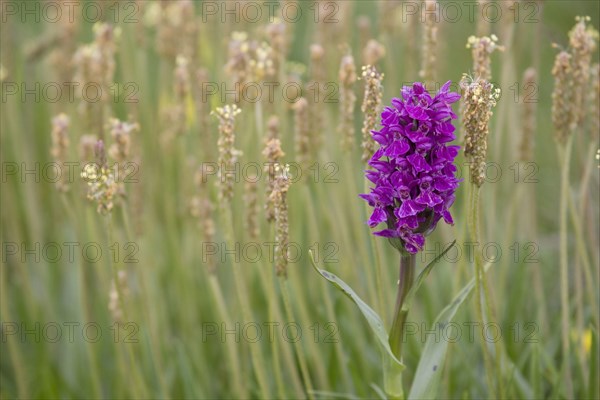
{"x": 429, "y": 370}
{"x": 421, "y": 278}
{"x": 371, "y": 316}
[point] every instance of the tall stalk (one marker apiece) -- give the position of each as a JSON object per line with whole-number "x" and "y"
{"x": 481, "y": 283}
{"x": 299, "y": 351}
{"x": 406, "y": 275}
{"x": 565, "y": 157}
{"x": 256, "y": 355}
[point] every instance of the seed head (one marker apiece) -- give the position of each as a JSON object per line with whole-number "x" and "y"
{"x": 428, "y": 52}
{"x": 86, "y": 147}
{"x": 114, "y": 300}
{"x": 347, "y": 76}
{"x": 121, "y": 134}
{"x": 279, "y": 198}
{"x": 273, "y": 155}
{"x": 228, "y": 155}
{"x": 249, "y": 61}
{"x": 202, "y": 208}
{"x": 582, "y": 43}
{"x": 363, "y": 24}
{"x": 317, "y": 78}
{"x": 481, "y": 49}
{"x": 479, "y": 97}
{"x": 563, "y": 114}
{"x": 251, "y": 201}
{"x": 60, "y": 146}
{"x": 95, "y": 65}
{"x": 277, "y": 32}
{"x": 373, "y": 52}
{"x": 177, "y": 29}
{"x": 102, "y": 185}
{"x": 371, "y": 107}
{"x": 301, "y": 133}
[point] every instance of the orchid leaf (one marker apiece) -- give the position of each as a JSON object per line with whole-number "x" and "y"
{"x": 370, "y": 315}
{"x": 421, "y": 278}
{"x": 429, "y": 370}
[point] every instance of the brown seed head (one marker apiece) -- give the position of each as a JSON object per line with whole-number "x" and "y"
{"x": 429, "y": 46}
{"x": 279, "y": 198}
{"x": 228, "y": 155}
{"x": 273, "y": 155}
{"x": 479, "y": 97}
{"x": 347, "y": 76}
{"x": 370, "y": 107}
{"x": 582, "y": 43}
{"x": 481, "y": 49}
{"x": 302, "y": 133}
{"x": 373, "y": 52}
{"x": 60, "y": 147}
{"x": 563, "y": 114}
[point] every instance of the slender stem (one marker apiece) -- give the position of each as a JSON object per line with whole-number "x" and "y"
{"x": 474, "y": 229}
{"x": 18, "y": 362}
{"x": 489, "y": 302}
{"x": 565, "y": 156}
{"x": 232, "y": 354}
{"x": 299, "y": 351}
{"x": 392, "y": 377}
{"x": 256, "y": 355}
{"x": 137, "y": 380}
{"x": 268, "y": 277}
{"x": 392, "y": 380}
{"x": 277, "y": 370}
{"x": 85, "y": 306}
{"x": 580, "y": 242}
{"x": 405, "y": 282}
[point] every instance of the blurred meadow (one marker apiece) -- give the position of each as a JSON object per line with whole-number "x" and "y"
{"x": 168, "y": 282}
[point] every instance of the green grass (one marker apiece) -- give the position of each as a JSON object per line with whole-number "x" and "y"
{"x": 175, "y": 312}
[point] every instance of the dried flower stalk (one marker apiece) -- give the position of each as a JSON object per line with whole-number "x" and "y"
{"x": 347, "y": 76}
{"x": 479, "y": 97}
{"x": 429, "y": 45}
{"x": 370, "y": 108}
{"x": 562, "y": 106}
{"x": 481, "y": 49}
{"x": 279, "y": 198}
{"x": 60, "y": 148}
{"x": 228, "y": 155}
{"x": 273, "y": 155}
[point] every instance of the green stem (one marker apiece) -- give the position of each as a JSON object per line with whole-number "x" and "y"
{"x": 392, "y": 372}
{"x": 565, "y": 156}
{"x": 268, "y": 277}
{"x": 474, "y": 229}
{"x": 85, "y": 307}
{"x": 231, "y": 353}
{"x": 406, "y": 279}
{"x": 301, "y": 358}
{"x": 138, "y": 387}
{"x": 392, "y": 380}
{"x": 256, "y": 355}
{"x": 580, "y": 242}
{"x": 488, "y": 301}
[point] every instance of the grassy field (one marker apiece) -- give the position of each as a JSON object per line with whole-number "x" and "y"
{"x": 170, "y": 283}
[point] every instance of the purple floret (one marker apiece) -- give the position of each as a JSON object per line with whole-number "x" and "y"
{"x": 413, "y": 170}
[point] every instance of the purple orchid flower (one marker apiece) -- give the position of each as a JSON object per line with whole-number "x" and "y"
{"x": 413, "y": 170}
